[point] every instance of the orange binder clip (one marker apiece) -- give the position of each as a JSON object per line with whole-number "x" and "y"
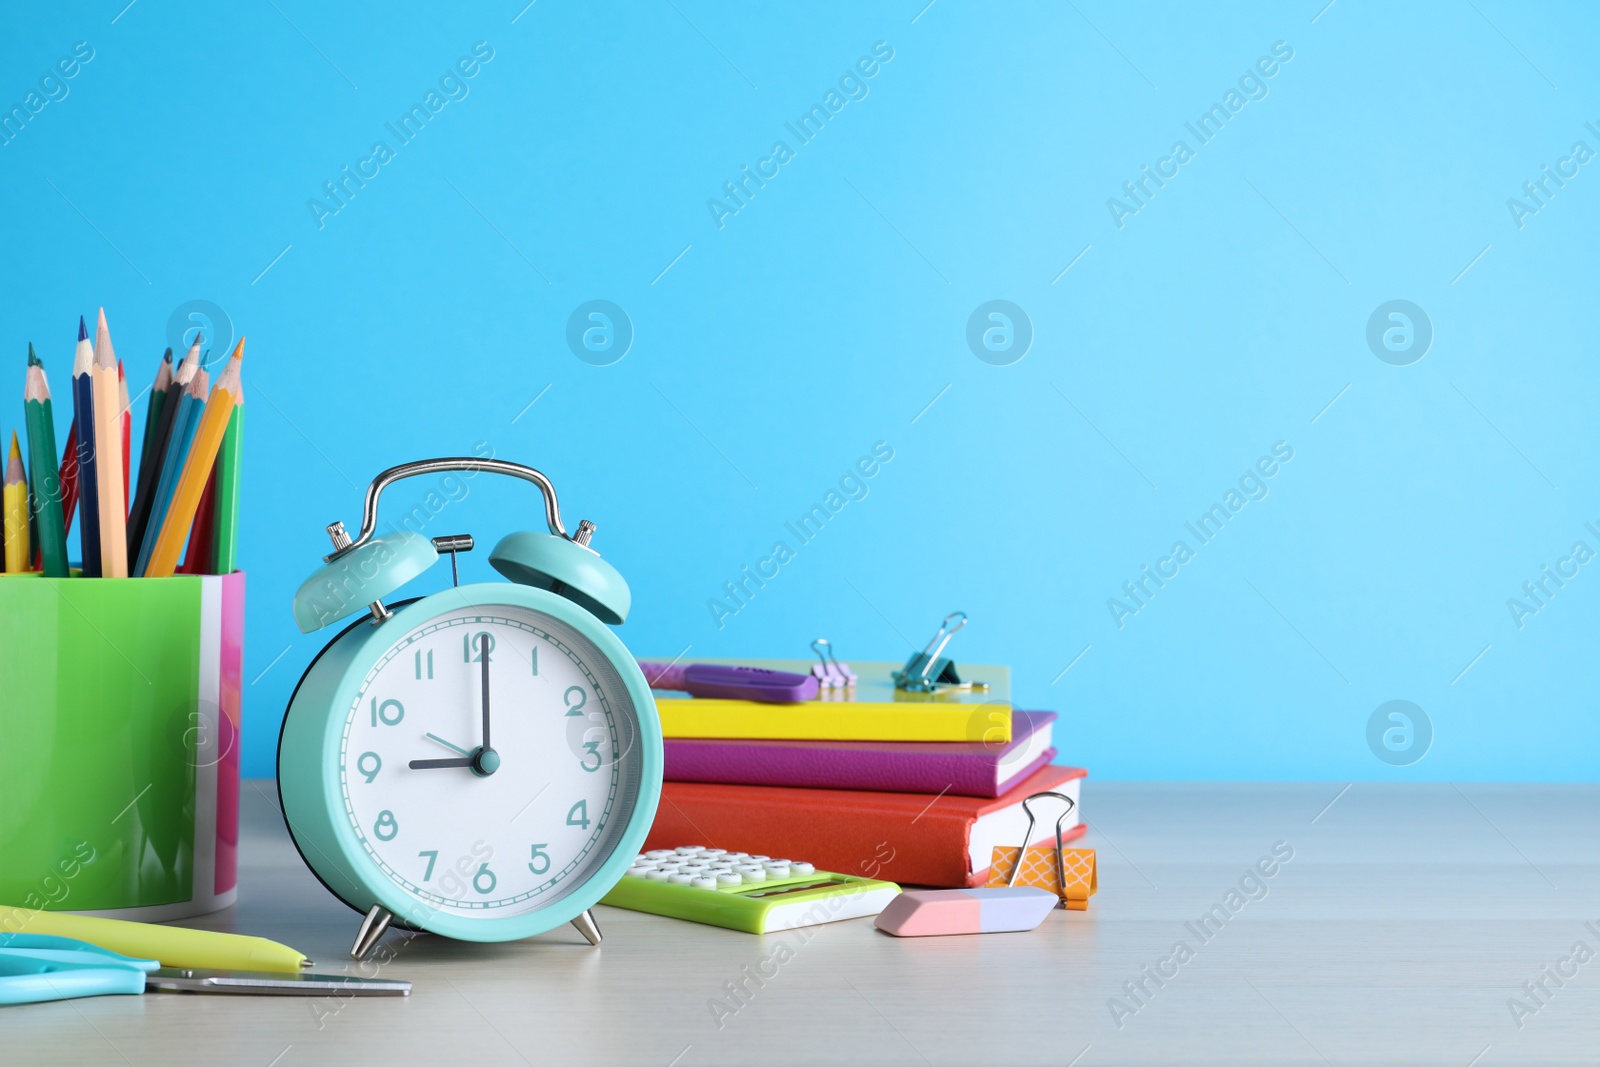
{"x": 1071, "y": 874}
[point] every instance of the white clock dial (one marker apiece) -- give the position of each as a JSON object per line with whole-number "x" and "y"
{"x": 513, "y": 827}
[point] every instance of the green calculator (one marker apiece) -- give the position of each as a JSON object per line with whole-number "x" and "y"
{"x": 756, "y": 894}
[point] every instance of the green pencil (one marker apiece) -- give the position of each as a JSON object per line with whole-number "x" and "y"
{"x": 225, "y": 543}
{"x": 43, "y": 477}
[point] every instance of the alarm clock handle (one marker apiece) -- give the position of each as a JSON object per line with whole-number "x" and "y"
{"x": 369, "y": 511}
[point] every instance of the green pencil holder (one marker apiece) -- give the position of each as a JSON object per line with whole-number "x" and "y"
{"x": 119, "y": 743}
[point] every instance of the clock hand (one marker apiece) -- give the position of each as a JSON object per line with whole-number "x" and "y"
{"x": 446, "y": 744}
{"x": 484, "y": 652}
{"x": 427, "y": 764}
{"x": 483, "y": 762}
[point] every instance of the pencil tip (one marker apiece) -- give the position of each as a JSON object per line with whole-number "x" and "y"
{"x": 83, "y": 329}
{"x": 33, "y": 360}
{"x": 168, "y": 357}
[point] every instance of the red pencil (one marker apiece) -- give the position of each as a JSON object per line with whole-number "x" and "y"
{"x": 202, "y": 534}
{"x": 69, "y": 476}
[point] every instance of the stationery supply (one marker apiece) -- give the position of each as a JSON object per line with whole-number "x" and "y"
{"x": 210, "y": 424}
{"x": 910, "y": 838}
{"x": 930, "y": 671}
{"x": 155, "y": 462}
{"x": 15, "y": 499}
{"x": 122, "y": 743}
{"x": 739, "y": 891}
{"x": 110, "y": 497}
{"x": 731, "y": 683}
{"x": 936, "y": 912}
{"x": 830, "y": 673}
{"x": 172, "y": 946}
{"x": 45, "y": 481}
{"x": 224, "y": 510}
{"x": 964, "y": 768}
{"x": 35, "y": 968}
{"x": 138, "y": 814}
{"x": 153, "y": 406}
{"x": 528, "y": 766}
{"x": 872, "y": 710}
{"x": 187, "y": 488}
{"x": 84, "y": 438}
{"x": 1070, "y": 874}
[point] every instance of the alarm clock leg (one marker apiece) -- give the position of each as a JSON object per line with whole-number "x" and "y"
{"x": 372, "y": 929}
{"x": 588, "y": 927}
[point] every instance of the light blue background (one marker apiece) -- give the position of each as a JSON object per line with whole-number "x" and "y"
{"x": 828, "y": 313}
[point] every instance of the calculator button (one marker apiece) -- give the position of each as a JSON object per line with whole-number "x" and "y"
{"x": 802, "y": 868}
{"x": 729, "y": 879}
{"x": 658, "y": 853}
{"x": 689, "y": 850}
{"x": 704, "y": 883}
{"x": 680, "y": 879}
{"x": 657, "y": 875}
{"x": 760, "y": 859}
{"x": 714, "y": 852}
{"x": 777, "y": 870}
{"x": 753, "y": 874}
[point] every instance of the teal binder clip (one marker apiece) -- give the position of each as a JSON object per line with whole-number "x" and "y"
{"x": 931, "y": 671}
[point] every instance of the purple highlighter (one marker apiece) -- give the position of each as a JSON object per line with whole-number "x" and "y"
{"x": 731, "y": 683}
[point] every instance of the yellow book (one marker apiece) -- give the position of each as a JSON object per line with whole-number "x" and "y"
{"x": 872, "y": 710}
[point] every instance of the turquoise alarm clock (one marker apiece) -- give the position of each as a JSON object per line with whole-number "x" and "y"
{"x": 483, "y": 762}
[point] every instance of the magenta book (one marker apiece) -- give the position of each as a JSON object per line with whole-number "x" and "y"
{"x": 960, "y": 768}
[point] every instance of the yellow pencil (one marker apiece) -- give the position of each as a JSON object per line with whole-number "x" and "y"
{"x": 108, "y": 455}
{"x": 18, "y": 549}
{"x": 196, "y": 469}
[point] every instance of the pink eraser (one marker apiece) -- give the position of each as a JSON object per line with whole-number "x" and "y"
{"x": 936, "y": 912}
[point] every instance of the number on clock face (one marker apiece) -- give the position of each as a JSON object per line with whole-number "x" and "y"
{"x": 499, "y": 829}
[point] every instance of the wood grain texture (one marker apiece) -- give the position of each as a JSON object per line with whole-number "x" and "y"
{"x": 1407, "y": 917}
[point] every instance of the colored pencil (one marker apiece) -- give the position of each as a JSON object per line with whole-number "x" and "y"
{"x": 190, "y": 407}
{"x": 108, "y": 456}
{"x": 152, "y": 410}
{"x": 202, "y": 536}
{"x": 197, "y": 468}
{"x": 152, "y": 462}
{"x": 125, "y": 406}
{"x": 88, "y": 482}
{"x": 225, "y": 520}
{"x": 15, "y": 499}
{"x": 42, "y": 466}
{"x": 69, "y": 476}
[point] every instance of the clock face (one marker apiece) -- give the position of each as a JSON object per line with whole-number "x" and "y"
{"x": 484, "y": 832}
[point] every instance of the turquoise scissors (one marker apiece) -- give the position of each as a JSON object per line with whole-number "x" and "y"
{"x": 41, "y": 967}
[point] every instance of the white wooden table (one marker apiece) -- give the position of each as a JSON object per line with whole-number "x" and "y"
{"x": 1406, "y": 920}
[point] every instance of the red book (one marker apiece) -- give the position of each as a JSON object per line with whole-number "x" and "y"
{"x": 910, "y": 838}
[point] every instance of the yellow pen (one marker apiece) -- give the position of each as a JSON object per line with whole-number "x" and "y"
{"x": 174, "y": 946}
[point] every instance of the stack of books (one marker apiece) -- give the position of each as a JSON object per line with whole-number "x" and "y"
{"x": 873, "y": 781}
